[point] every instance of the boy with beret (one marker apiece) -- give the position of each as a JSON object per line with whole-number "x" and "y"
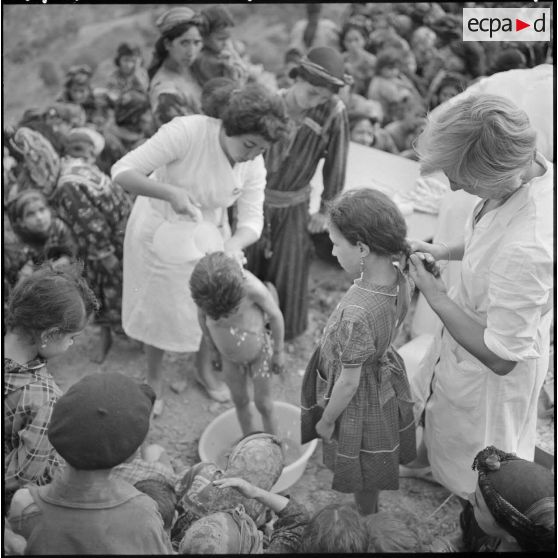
{"x": 99, "y": 423}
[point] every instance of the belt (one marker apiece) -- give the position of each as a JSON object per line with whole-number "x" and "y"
{"x": 280, "y": 199}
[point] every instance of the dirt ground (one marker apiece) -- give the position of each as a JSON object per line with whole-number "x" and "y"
{"x": 418, "y": 503}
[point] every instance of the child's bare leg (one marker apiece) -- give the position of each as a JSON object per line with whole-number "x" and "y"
{"x": 264, "y": 403}
{"x": 237, "y": 382}
{"x": 103, "y": 345}
{"x": 205, "y": 367}
{"x": 367, "y": 501}
{"x": 154, "y": 368}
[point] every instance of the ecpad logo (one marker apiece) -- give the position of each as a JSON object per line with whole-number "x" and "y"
{"x": 506, "y": 24}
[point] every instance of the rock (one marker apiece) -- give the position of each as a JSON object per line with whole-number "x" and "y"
{"x": 214, "y": 407}
{"x": 179, "y": 386}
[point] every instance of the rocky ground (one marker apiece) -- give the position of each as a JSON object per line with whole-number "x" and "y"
{"x": 421, "y": 504}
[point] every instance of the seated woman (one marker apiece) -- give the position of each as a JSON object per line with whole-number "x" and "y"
{"x": 42, "y": 237}
{"x": 128, "y": 75}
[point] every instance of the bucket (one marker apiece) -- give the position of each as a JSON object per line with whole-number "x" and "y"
{"x": 224, "y": 430}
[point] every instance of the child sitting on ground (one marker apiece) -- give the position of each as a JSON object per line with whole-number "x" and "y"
{"x": 97, "y": 424}
{"x": 42, "y": 237}
{"x": 233, "y": 304}
{"x": 46, "y": 311}
{"x": 128, "y": 75}
{"x": 365, "y": 129}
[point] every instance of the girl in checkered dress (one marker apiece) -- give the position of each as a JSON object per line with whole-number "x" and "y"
{"x": 355, "y": 392}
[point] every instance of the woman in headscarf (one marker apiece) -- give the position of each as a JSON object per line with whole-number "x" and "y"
{"x": 195, "y": 166}
{"x": 173, "y": 89}
{"x": 320, "y": 130}
{"x": 513, "y": 506}
{"x": 220, "y": 511}
{"x": 94, "y": 209}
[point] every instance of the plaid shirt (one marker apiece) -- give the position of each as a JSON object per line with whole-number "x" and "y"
{"x": 29, "y": 396}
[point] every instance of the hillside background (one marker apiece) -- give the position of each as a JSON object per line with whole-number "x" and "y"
{"x": 40, "y": 42}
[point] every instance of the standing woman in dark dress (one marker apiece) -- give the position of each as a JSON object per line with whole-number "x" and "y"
{"x": 320, "y": 130}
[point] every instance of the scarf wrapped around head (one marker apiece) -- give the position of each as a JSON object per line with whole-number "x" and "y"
{"x": 520, "y": 495}
{"x": 225, "y": 532}
{"x": 257, "y": 458}
{"x": 41, "y": 161}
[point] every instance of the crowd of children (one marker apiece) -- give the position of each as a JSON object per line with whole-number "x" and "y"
{"x": 79, "y": 478}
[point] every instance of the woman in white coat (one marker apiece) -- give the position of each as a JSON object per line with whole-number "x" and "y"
{"x": 195, "y": 166}
{"x": 496, "y": 337}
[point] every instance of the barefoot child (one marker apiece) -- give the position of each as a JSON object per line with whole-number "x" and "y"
{"x": 355, "y": 392}
{"x": 46, "y": 311}
{"x": 233, "y": 305}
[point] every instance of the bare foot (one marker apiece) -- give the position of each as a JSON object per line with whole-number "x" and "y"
{"x": 103, "y": 345}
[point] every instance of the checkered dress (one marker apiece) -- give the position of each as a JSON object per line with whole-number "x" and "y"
{"x": 376, "y": 431}
{"x": 29, "y": 396}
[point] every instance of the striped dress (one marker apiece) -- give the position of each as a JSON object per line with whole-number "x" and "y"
{"x": 283, "y": 253}
{"x": 376, "y": 431}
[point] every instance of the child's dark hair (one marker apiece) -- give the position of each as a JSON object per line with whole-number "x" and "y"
{"x": 390, "y": 534}
{"x": 217, "y": 285}
{"x": 336, "y": 528}
{"x": 51, "y": 298}
{"x": 388, "y": 58}
{"x": 217, "y": 17}
{"x": 255, "y": 109}
{"x": 163, "y": 494}
{"x": 369, "y": 216}
{"x": 216, "y": 94}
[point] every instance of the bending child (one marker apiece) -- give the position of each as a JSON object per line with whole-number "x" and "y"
{"x": 355, "y": 392}
{"x": 232, "y": 308}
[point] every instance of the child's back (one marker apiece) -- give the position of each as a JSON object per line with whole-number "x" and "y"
{"x": 108, "y": 518}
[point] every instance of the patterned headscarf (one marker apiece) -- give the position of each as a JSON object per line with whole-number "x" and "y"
{"x": 226, "y": 532}
{"x": 257, "y": 458}
{"x": 41, "y": 161}
{"x": 521, "y": 497}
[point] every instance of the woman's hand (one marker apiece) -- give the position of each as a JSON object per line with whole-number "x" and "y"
{"x": 429, "y": 285}
{"x": 182, "y": 204}
{"x": 233, "y": 250}
{"x": 243, "y": 486}
{"x": 420, "y": 246}
{"x": 318, "y": 223}
{"x": 325, "y": 429}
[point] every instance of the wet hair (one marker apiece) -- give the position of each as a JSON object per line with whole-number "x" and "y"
{"x": 255, "y": 109}
{"x": 163, "y": 494}
{"x": 217, "y": 285}
{"x": 481, "y": 139}
{"x": 216, "y": 94}
{"x": 160, "y": 50}
{"x": 335, "y": 529}
{"x": 217, "y": 17}
{"x": 51, "y": 298}
{"x": 369, "y": 216}
{"x": 390, "y": 534}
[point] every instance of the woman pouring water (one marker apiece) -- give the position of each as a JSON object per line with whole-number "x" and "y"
{"x": 193, "y": 168}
